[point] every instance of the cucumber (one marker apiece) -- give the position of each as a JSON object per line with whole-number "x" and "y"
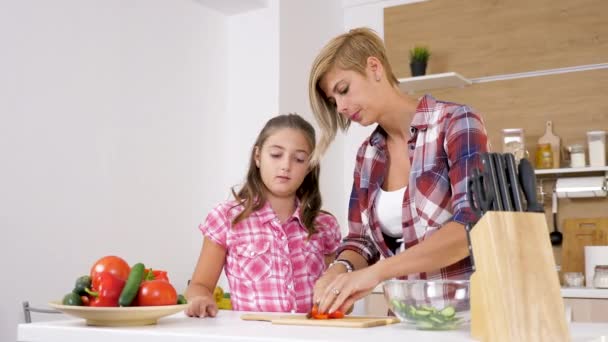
{"x": 132, "y": 285}
{"x": 181, "y": 299}
{"x": 72, "y": 299}
{"x": 82, "y": 283}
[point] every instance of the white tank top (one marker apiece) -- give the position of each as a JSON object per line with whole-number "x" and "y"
{"x": 389, "y": 211}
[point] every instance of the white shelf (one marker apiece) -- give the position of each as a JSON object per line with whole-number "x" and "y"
{"x": 455, "y": 80}
{"x": 433, "y": 81}
{"x": 565, "y": 170}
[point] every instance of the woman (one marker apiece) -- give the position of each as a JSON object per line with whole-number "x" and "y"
{"x": 408, "y": 201}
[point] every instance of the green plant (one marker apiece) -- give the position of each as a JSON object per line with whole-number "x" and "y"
{"x": 420, "y": 54}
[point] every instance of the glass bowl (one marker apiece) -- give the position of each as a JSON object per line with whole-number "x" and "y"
{"x": 429, "y": 304}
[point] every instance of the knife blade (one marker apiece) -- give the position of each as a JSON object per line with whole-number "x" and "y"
{"x": 513, "y": 181}
{"x": 491, "y": 179}
{"x": 527, "y": 179}
{"x": 503, "y": 188}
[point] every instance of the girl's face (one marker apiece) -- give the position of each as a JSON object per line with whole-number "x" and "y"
{"x": 283, "y": 161}
{"x": 356, "y": 97}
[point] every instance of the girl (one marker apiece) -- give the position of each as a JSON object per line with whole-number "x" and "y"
{"x": 272, "y": 240}
{"x": 408, "y": 201}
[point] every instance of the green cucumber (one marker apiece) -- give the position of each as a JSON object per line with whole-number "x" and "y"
{"x": 72, "y": 299}
{"x": 181, "y": 299}
{"x": 132, "y": 285}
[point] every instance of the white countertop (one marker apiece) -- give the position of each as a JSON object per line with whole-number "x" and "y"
{"x": 229, "y": 327}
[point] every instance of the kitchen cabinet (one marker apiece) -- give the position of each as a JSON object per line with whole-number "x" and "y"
{"x": 229, "y": 327}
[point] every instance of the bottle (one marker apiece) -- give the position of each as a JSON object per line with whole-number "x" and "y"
{"x": 544, "y": 156}
{"x": 513, "y": 142}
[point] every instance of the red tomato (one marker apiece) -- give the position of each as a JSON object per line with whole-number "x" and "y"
{"x": 336, "y": 314}
{"x": 156, "y": 292}
{"x": 113, "y": 264}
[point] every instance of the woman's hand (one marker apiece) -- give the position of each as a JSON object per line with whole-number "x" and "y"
{"x": 345, "y": 289}
{"x": 325, "y": 280}
{"x": 201, "y": 306}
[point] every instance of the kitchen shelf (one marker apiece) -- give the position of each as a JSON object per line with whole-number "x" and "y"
{"x": 571, "y": 171}
{"x": 433, "y": 81}
{"x": 455, "y": 80}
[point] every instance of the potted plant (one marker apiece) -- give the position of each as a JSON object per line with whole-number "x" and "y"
{"x": 419, "y": 57}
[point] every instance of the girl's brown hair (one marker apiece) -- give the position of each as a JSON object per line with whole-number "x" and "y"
{"x": 348, "y": 51}
{"x": 252, "y": 193}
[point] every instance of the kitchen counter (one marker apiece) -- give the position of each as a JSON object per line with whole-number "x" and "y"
{"x": 584, "y": 292}
{"x": 229, "y": 327}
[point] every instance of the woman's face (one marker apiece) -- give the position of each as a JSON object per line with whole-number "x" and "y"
{"x": 283, "y": 161}
{"x": 355, "y": 96}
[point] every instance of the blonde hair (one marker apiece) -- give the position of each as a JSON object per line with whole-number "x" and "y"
{"x": 348, "y": 51}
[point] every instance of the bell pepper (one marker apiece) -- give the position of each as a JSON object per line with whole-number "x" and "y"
{"x": 315, "y": 314}
{"x": 105, "y": 289}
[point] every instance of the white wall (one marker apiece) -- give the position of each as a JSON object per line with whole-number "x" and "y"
{"x": 300, "y": 41}
{"x": 108, "y": 139}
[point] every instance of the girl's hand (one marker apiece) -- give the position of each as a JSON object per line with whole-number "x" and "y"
{"x": 345, "y": 289}
{"x": 201, "y": 306}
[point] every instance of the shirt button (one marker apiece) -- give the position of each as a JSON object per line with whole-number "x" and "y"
{"x": 293, "y": 310}
{"x": 286, "y": 262}
{"x": 284, "y": 238}
{"x": 252, "y": 253}
{"x": 290, "y": 286}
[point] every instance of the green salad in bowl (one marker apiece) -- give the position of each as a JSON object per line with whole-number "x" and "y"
{"x": 429, "y": 304}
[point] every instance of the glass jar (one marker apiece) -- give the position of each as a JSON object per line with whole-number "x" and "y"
{"x": 600, "y": 277}
{"x": 513, "y": 142}
{"x": 577, "y": 155}
{"x": 574, "y": 279}
{"x": 544, "y": 156}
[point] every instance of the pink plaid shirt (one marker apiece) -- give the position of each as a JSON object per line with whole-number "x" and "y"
{"x": 271, "y": 267}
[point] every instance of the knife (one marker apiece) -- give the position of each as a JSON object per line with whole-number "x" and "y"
{"x": 501, "y": 175}
{"x": 491, "y": 179}
{"x": 527, "y": 179}
{"x": 513, "y": 181}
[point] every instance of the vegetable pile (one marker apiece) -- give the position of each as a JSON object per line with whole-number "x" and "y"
{"x": 428, "y": 318}
{"x": 112, "y": 282}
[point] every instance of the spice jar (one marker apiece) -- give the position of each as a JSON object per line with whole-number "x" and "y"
{"x": 513, "y": 142}
{"x": 544, "y": 156}
{"x": 574, "y": 279}
{"x": 577, "y": 155}
{"x": 600, "y": 277}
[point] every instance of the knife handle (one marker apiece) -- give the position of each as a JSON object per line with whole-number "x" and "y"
{"x": 528, "y": 184}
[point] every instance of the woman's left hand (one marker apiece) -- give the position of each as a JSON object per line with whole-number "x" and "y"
{"x": 347, "y": 288}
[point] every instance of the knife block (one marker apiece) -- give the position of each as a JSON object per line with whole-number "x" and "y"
{"x": 515, "y": 289}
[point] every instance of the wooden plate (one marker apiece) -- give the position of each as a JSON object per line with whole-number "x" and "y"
{"x": 119, "y": 316}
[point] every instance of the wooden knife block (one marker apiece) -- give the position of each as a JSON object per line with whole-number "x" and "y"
{"x": 515, "y": 289}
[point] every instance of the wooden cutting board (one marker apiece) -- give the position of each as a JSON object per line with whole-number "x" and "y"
{"x": 579, "y": 233}
{"x": 554, "y": 141}
{"x": 346, "y": 322}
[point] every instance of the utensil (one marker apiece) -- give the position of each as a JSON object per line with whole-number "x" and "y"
{"x": 490, "y": 177}
{"x": 527, "y": 179}
{"x": 513, "y": 182}
{"x": 503, "y": 185}
{"x": 555, "y": 236}
{"x": 300, "y": 319}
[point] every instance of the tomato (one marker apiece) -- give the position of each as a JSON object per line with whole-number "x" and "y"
{"x": 336, "y": 314}
{"x": 156, "y": 275}
{"x": 113, "y": 264}
{"x": 156, "y": 292}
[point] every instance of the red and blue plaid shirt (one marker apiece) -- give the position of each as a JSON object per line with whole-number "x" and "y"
{"x": 445, "y": 143}
{"x": 271, "y": 266}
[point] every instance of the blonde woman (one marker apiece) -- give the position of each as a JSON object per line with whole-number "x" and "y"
{"x": 408, "y": 202}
